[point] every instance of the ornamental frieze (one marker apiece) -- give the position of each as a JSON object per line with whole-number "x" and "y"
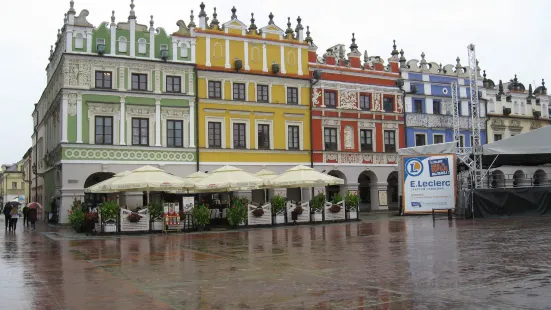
{"x": 331, "y": 122}
{"x": 359, "y": 158}
{"x": 102, "y": 108}
{"x": 127, "y": 154}
{"x": 438, "y": 121}
{"x": 181, "y": 113}
{"x": 348, "y": 100}
{"x": 140, "y": 111}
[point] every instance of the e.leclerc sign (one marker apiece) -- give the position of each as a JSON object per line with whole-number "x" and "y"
{"x": 428, "y": 183}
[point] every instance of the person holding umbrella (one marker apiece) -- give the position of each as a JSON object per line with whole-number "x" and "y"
{"x": 15, "y": 214}
{"x": 7, "y": 215}
{"x": 32, "y": 214}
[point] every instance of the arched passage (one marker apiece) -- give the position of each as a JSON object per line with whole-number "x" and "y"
{"x": 392, "y": 190}
{"x": 540, "y": 178}
{"x": 497, "y": 179}
{"x": 518, "y": 178}
{"x": 334, "y": 189}
{"x": 366, "y": 181}
{"x": 93, "y": 200}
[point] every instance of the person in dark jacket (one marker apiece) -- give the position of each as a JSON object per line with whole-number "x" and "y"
{"x": 25, "y": 218}
{"x": 7, "y": 215}
{"x": 32, "y": 215}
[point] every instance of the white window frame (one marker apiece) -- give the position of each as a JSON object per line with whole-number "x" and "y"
{"x": 264, "y": 122}
{"x": 222, "y": 83}
{"x": 122, "y": 45}
{"x": 142, "y": 46}
{"x": 92, "y": 124}
{"x": 439, "y": 134}
{"x": 269, "y": 91}
{"x": 222, "y": 121}
{"x": 338, "y": 137}
{"x": 184, "y": 47}
{"x": 373, "y": 138}
{"x": 163, "y": 47}
{"x": 247, "y": 123}
{"x": 415, "y": 138}
{"x": 239, "y": 82}
{"x": 137, "y": 71}
{"x": 396, "y": 139}
{"x": 151, "y": 123}
{"x": 99, "y": 41}
{"x": 300, "y": 134}
{"x": 462, "y": 136}
{"x": 79, "y": 40}
{"x": 183, "y": 84}
{"x": 164, "y": 127}
{"x": 114, "y": 75}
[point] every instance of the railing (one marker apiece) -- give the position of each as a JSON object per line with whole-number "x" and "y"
{"x": 498, "y": 180}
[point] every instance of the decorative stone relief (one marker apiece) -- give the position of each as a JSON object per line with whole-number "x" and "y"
{"x": 157, "y": 81}
{"x": 191, "y": 89}
{"x": 399, "y": 104}
{"x": 146, "y": 111}
{"x": 391, "y": 158}
{"x": 367, "y": 158}
{"x": 181, "y": 113}
{"x": 379, "y": 159}
{"x": 77, "y": 73}
{"x": 348, "y": 100}
{"x": 316, "y": 97}
{"x": 102, "y": 108}
{"x": 331, "y": 122}
{"x": 350, "y": 158}
{"x": 514, "y": 123}
{"x": 358, "y": 88}
{"x": 377, "y": 102}
{"x": 390, "y": 125}
{"x": 366, "y": 124}
{"x": 72, "y": 107}
{"x": 348, "y": 137}
{"x": 329, "y": 157}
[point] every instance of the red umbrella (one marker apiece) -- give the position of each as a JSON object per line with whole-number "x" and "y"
{"x": 34, "y": 205}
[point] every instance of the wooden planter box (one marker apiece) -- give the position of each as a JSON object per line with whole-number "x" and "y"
{"x": 142, "y": 225}
{"x": 316, "y": 217}
{"x": 351, "y": 215}
{"x": 157, "y": 225}
{"x": 304, "y": 217}
{"x": 109, "y": 227}
{"x": 279, "y": 218}
{"x": 334, "y": 216}
{"x": 265, "y": 219}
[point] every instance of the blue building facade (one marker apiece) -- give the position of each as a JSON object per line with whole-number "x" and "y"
{"x": 429, "y": 109}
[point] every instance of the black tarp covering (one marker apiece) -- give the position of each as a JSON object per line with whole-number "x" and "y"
{"x": 515, "y": 160}
{"x": 532, "y": 201}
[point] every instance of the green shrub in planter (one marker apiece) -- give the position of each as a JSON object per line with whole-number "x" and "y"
{"x": 76, "y": 215}
{"x": 155, "y": 210}
{"x": 351, "y": 201}
{"x": 237, "y": 212}
{"x": 109, "y": 210}
{"x": 318, "y": 202}
{"x": 201, "y": 216}
{"x": 278, "y": 203}
{"x": 337, "y": 198}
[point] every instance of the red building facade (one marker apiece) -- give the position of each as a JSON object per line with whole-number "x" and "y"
{"x": 358, "y": 122}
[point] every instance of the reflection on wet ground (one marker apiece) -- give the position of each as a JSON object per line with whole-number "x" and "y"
{"x": 381, "y": 263}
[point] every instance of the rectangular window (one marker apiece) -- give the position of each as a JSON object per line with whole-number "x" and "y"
{"x": 239, "y": 91}
{"x": 13, "y": 185}
{"x": 264, "y": 136}
{"x": 498, "y": 137}
{"x": 292, "y": 95}
{"x": 438, "y": 139}
{"x": 388, "y": 104}
{"x": 417, "y": 106}
{"x": 461, "y": 141}
{"x": 139, "y": 81}
{"x": 330, "y": 99}
{"x": 330, "y": 139}
{"x": 366, "y": 140}
{"x": 140, "y": 131}
{"x": 215, "y": 89}
{"x": 104, "y": 130}
{"x": 174, "y": 133}
{"x": 390, "y": 141}
{"x": 365, "y": 102}
{"x": 173, "y": 84}
{"x": 103, "y": 79}
{"x": 262, "y": 93}
{"x": 420, "y": 139}
{"x": 472, "y": 141}
{"x": 239, "y": 136}
{"x": 436, "y": 107}
{"x": 293, "y": 136}
{"x": 215, "y": 134}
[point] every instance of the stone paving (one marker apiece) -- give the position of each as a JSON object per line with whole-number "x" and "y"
{"x": 383, "y": 262}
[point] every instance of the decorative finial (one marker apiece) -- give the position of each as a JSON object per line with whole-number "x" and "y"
{"x": 458, "y": 66}
{"x": 308, "y": 38}
{"x": 366, "y": 58}
{"x": 423, "y": 55}
{"x": 72, "y": 7}
{"x": 271, "y": 17}
{"x": 252, "y": 27}
{"x": 353, "y": 46}
{"x": 65, "y": 19}
{"x": 202, "y": 13}
{"x": 113, "y": 18}
{"x": 543, "y": 88}
{"x": 530, "y": 92}
{"x": 151, "y": 22}
{"x": 500, "y": 88}
{"x": 515, "y": 79}
{"x": 543, "y": 82}
{"x": 440, "y": 67}
{"x": 233, "y": 10}
{"x": 214, "y": 23}
{"x": 289, "y": 31}
{"x": 58, "y": 34}
{"x": 394, "y": 50}
{"x": 191, "y": 22}
{"x": 299, "y": 25}
{"x": 51, "y": 50}
{"x": 484, "y": 74}
{"x": 132, "y": 13}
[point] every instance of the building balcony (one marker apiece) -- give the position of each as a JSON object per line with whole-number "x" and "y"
{"x": 439, "y": 121}
{"x": 332, "y": 157}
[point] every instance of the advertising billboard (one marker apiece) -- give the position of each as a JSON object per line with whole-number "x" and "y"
{"x": 428, "y": 183}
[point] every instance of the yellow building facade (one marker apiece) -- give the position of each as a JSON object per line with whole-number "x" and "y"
{"x": 253, "y": 94}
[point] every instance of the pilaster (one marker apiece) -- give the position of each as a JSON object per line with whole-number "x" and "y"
{"x": 132, "y": 37}
{"x": 228, "y": 65}
{"x": 64, "y": 117}
{"x": 89, "y": 41}
{"x": 246, "y": 53}
{"x": 122, "y": 121}
{"x": 69, "y": 40}
{"x": 193, "y": 51}
{"x": 192, "y": 123}
{"x": 157, "y": 122}
{"x": 152, "y": 43}
{"x": 207, "y": 52}
{"x": 264, "y": 58}
{"x": 282, "y": 52}
{"x": 79, "y": 118}
{"x": 299, "y": 61}
{"x": 113, "y": 48}
{"x": 174, "y": 49}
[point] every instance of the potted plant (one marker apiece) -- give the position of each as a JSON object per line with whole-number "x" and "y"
{"x": 201, "y": 216}
{"x": 278, "y": 209}
{"x": 316, "y": 207}
{"x": 156, "y": 215}
{"x": 351, "y": 202}
{"x": 109, "y": 211}
{"x": 258, "y": 212}
{"x": 134, "y": 217}
{"x": 336, "y": 208}
{"x": 237, "y": 212}
{"x": 76, "y": 216}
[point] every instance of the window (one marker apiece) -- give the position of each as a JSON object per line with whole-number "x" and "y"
{"x": 122, "y": 44}
{"x": 263, "y": 136}
{"x": 184, "y": 50}
{"x": 436, "y": 107}
{"x": 100, "y": 41}
{"x": 293, "y": 136}
{"x": 262, "y": 93}
{"x": 142, "y": 46}
{"x": 472, "y": 141}
{"x": 390, "y": 141}
{"x": 215, "y": 134}
{"x": 173, "y": 84}
{"x": 461, "y": 141}
{"x": 420, "y": 139}
{"x": 139, "y": 81}
{"x": 366, "y": 140}
{"x": 140, "y": 131}
{"x": 239, "y": 91}
{"x": 330, "y": 139}
{"x": 174, "y": 133}
{"x": 388, "y": 104}
{"x": 365, "y": 102}
{"x": 417, "y": 106}
{"x": 103, "y": 79}
{"x": 22, "y": 185}
{"x": 498, "y": 137}
{"x": 239, "y": 136}
{"x": 330, "y": 99}
{"x": 104, "y": 130}
{"x": 292, "y": 95}
{"x": 13, "y": 185}
{"x": 79, "y": 41}
{"x": 438, "y": 139}
{"x": 215, "y": 89}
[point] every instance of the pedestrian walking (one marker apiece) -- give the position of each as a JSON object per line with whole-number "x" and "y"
{"x": 14, "y": 217}
{"x": 7, "y": 215}
{"x": 25, "y": 219}
{"x": 32, "y": 216}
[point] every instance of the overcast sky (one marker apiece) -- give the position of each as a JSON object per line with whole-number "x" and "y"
{"x": 509, "y": 35}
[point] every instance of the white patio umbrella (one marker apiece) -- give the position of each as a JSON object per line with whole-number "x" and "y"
{"x": 267, "y": 176}
{"x": 104, "y": 186}
{"x": 302, "y": 176}
{"x": 191, "y": 180}
{"x": 148, "y": 178}
{"x": 228, "y": 178}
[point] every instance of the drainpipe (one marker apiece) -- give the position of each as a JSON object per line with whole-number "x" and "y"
{"x": 405, "y": 115}
{"x": 196, "y": 117}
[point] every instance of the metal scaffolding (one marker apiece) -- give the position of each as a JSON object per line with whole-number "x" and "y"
{"x": 475, "y": 119}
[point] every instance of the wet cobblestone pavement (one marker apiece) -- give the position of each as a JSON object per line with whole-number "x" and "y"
{"x": 381, "y": 263}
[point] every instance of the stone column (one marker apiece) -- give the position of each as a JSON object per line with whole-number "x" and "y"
{"x": 122, "y": 122}
{"x": 228, "y": 65}
{"x": 282, "y": 52}
{"x": 158, "y": 122}
{"x": 375, "y": 203}
{"x": 64, "y": 117}
{"x": 264, "y": 60}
